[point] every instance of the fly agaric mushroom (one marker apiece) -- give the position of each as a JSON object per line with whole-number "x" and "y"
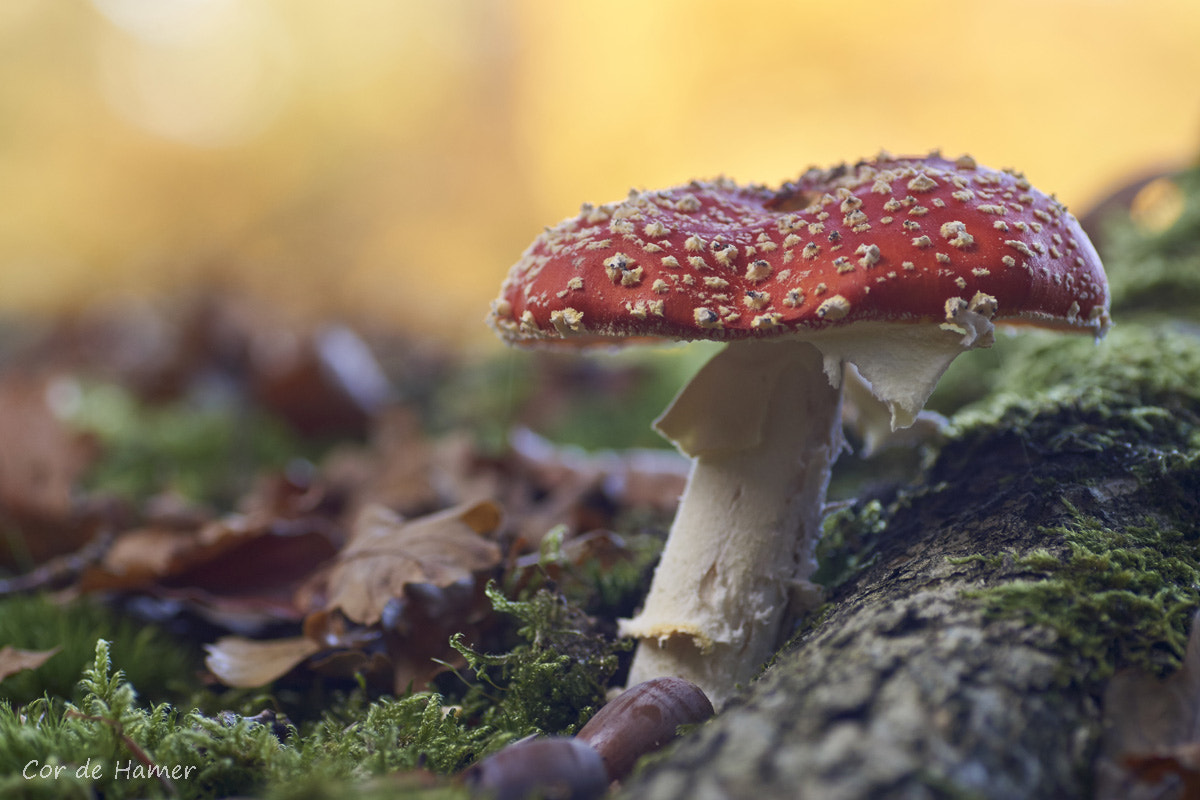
{"x": 895, "y": 265}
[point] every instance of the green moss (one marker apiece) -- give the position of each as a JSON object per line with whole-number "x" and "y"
{"x": 550, "y": 681}
{"x": 107, "y": 743}
{"x": 393, "y": 735}
{"x": 1118, "y": 591}
{"x": 161, "y": 665}
{"x": 410, "y": 785}
{"x": 553, "y": 681}
{"x": 1144, "y": 373}
{"x": 603, "y": 400}
{"x": 205, "y": 454}
{"x": 606, "y": 587}
{"x": 1157, "y": 272}
{"x": 848, "y": 542}
{"x": 1040, "y": 560}
{"x": 1115, "y": 597}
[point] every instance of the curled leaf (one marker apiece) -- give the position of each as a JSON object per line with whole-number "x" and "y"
{"x": 387, "y": 554}
{"x": 236, "y": 564}
{"x": 246, "y": 663}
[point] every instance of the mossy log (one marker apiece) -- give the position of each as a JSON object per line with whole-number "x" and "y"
{"x": 1054, "y": 540}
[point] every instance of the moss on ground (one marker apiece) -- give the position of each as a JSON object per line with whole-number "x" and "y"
{"x": 206, "y": 454}
{"x": 106, "y": 741}
{"x": 159, "y": 664}
{"x": 1118, "y": 588}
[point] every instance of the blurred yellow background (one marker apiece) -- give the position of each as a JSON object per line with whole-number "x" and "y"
{"x": 388, "y": 159}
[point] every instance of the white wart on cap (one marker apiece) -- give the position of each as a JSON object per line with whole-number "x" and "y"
{"x": 891, "y": 240}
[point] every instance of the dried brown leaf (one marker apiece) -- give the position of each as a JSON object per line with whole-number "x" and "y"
{"x": 1179, "y": 768}
{"x": 385, "y": 554}
{"x": 332, "y": 630}
{"x": 247, "y": 663}
{"x": 415, "y": 634}
{"x": 652, "y": 479}
{"x": 236, "y": 565}
{"x": 543, "y": 485}
{"x": 40, "y": 463}
{"x": 599, "y": 548}
{"x": 322, "y": 382}
{"x": 398, "y": 469}
{"x": 41, "y": 459}
{"x": 138, "y": 557}
{"x": 1152, "y": 731}
{"x": 269, "y": 557}
{"x": 14, "y": 660}
{"x": 374, "y": 667}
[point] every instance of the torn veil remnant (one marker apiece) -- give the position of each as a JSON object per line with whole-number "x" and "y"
{"x": 895, "y": 265}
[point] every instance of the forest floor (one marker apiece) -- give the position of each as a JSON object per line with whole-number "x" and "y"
{"x": 247, "y": 556}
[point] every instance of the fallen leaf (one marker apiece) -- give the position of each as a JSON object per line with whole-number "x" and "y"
{"x": 386, "y": 606}
{"x": 386, "y": 553}
{"x": 40, "y": 464}
{"x": 139, "y": 557}
{"x": 542, "y": 485}
{"x": 1152, "y": 732}
{"x": 415, "y": 633}
{"x": 640, "y": 478}
{"x": 236, "y": 570}
{"x": 1179, "y": 767}
{"x": 598, "y": 549}
{"x": 247, "y": 663}
{"x": 258, "y": 557}
{"x": 398, "y": 469}
{"x": 13, "y": 660}
{"x": 332, "y": 630}
{"x": 323, "y": 382}
{"x": 375, "y": 668}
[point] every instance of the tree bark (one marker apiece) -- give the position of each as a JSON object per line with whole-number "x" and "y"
{"x": 912, "y": 684}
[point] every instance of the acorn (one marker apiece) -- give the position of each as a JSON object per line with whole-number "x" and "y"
{"x": 642, "y": 719}
{"x": 552, "y": 768}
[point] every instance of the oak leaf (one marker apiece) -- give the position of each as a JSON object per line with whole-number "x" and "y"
{"x": 386, "y": 554}
{"x": 14, "y": 660}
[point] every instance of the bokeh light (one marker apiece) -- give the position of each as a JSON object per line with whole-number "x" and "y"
{"x": 388, "y": 159}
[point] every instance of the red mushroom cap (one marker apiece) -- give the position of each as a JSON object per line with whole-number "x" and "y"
{"x": 890, "y": 239}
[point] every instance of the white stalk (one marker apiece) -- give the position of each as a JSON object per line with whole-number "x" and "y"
{"x": 762, "y": 424}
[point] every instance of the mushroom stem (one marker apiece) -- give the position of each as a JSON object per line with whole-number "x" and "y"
{"x": 762, "y": 424}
